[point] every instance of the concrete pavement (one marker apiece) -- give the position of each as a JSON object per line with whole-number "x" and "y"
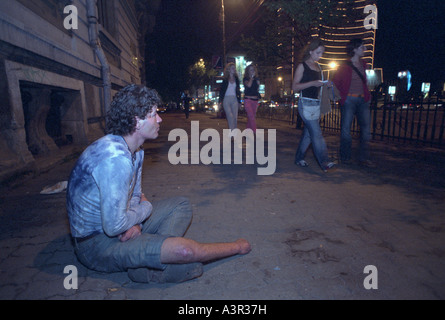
{"x": 312, "y": 233}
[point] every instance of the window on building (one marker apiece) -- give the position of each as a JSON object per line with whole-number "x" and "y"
{"x": 107, "y": 19}
{"x": 49, "y": 10}
{"x": 106, "y": 15}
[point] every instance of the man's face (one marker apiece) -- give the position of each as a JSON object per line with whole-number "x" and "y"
{"x": 360, "y": 51}
{"x": 149, "y": 126}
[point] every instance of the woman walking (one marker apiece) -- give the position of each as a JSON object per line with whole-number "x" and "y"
{"x": 230, "y": 95}
{"x": 307, "y": 81}
{"x": 251, "y": 95}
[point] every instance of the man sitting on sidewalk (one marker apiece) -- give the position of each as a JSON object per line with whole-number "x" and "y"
{"x": 113, "y": 225}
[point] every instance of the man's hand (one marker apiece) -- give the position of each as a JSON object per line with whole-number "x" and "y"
{"x": 131, "y": 233}
{"x": 143, "y": 198}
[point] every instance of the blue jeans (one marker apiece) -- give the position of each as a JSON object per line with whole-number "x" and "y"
{"x": 169, "y": 218}
{"x": 355, "y": 106}
{"x": 311, "y": 134}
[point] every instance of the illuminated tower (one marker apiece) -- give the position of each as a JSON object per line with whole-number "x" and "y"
{"x": 356, "y": 22}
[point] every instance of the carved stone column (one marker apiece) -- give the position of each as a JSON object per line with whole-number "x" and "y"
{"x": 39, "y": 142}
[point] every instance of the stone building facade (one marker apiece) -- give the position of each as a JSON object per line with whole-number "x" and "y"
{"x": 61, "y": 61}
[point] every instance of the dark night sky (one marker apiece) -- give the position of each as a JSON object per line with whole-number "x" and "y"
{"x": 410, "y": 36}
{"x": 187, "y": 30}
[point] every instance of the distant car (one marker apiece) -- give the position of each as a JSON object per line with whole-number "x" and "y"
{"x": 161, "y": 109}
{"x": 211, "y": 107}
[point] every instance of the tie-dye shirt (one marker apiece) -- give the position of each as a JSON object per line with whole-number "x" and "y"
{"x": 104, "y": 189}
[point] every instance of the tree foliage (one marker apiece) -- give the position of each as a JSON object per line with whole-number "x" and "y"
{"x": 199, "y": 74}
{"x": 271, "y": 44}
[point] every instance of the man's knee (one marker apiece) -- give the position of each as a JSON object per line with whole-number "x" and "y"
{"x": 180, "y": 201}
{"x": 178, "y": 250}
{"x": 185, "y": 207}
{"x": 186, "y": 251}
{"x": 181, "y": 204}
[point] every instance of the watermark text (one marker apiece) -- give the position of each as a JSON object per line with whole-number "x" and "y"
{"x": 72, "y": 20}
{"x": 370, "y": 21}
{"x": 371, "y": 280}
{"x": 211, "y": 153}
{"x": 71, "y": 280}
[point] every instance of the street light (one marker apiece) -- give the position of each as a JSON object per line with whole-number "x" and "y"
{"x": 223, "y": 17}
{"x": 333, "y": 65}
{"x": 280, "y": 86}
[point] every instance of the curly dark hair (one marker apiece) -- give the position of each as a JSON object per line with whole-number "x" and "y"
{"x": 130, "y": 102}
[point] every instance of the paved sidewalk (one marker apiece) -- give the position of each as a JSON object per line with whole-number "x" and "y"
{"x": 312, "y": 233}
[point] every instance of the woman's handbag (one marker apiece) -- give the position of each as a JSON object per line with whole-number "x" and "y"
{"x": 328, "y": 95}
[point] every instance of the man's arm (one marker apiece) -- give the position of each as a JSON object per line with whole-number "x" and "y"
{"x": 113, "y": 177}
{"x": 141, "y": 206}
{"x": 135, "y": 230}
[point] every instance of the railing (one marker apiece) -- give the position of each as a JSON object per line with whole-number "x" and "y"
{"x": 422, "y": 121}
{"x": 412, "y": 121}
{"x": 281, "y": 112}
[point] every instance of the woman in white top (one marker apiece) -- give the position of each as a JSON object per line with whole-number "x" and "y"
{"x": 230, "y": 95}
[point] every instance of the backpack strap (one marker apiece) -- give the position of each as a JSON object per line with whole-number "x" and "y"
{"x": 349, "y": 63}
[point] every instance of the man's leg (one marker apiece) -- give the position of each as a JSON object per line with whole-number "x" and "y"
{"x": 364, "y": 122}
{"x": 347, "y": 116}
{"x": 170, "y": 217}
{"x": 182, "y": 258}
{"x": 182, "y": 250}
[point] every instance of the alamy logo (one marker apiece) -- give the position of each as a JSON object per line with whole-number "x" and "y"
{"x": 371, "y": 280}
{"x": 70, "y": 281}
{"x": 72, "y": 20}
{"x": 370, "y": 21}
{"x": 210, "y": 153}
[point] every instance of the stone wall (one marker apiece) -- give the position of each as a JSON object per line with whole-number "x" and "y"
{"x": 51, "y": 81}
